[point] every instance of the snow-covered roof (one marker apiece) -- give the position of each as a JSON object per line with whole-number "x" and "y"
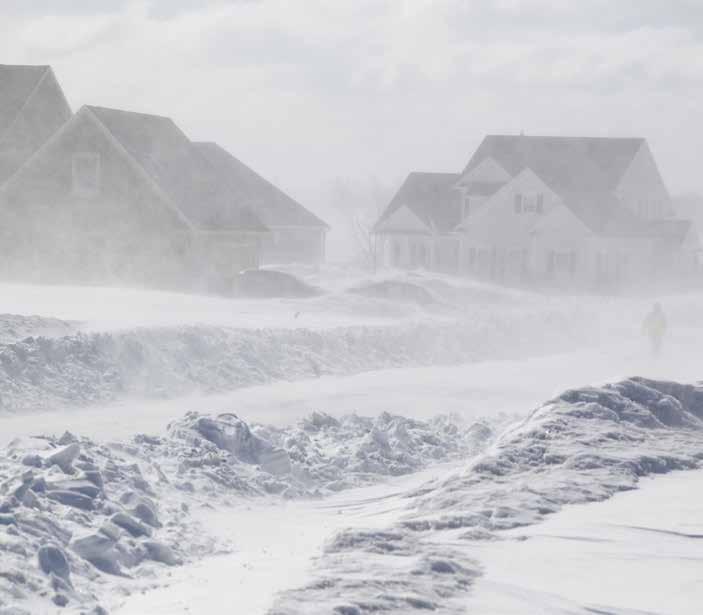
{"x": 248, "y": 189}
{"x": 566, "y": 164}
{"x": 432, "y": 197}
{"x": 584, "y": 171}
{"x": 195, "y": 185}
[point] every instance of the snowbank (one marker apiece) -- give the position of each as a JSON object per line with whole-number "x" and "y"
{"x": 14, "y": 327}
{"x": 85, "y": 368}
{"x": 79, "y": 518}
{"x": 73, "y": 512}
{"x": 583, "y": 446}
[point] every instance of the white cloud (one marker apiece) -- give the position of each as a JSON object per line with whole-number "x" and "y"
{"x": 308, "y": 91}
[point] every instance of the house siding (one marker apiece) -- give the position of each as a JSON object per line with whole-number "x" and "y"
{"x": 642, "y": 188}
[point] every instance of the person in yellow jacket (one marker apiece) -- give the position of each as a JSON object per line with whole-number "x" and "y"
{"x": 654, "y": 327}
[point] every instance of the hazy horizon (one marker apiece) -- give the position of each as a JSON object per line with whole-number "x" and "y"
{"x": 376, "y": 89}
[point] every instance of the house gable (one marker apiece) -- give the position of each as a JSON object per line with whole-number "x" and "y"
{"x": 403, "y": 221}
{"x": 431, "y": 197}
{"x": 500, "y": 221}
{"x": 32, "y": 108}
{"x": 43, "y": 190}
{"x": 642, "y": 189}
{"x": 562, "y": 226}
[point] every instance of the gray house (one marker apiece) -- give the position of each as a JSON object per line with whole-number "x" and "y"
{"x": 111, "y": 195}
{"x": 117, "y": 195}
{"x": 32, "y": 108}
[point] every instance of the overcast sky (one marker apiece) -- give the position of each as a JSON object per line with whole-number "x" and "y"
{"x": 308, "y": 90}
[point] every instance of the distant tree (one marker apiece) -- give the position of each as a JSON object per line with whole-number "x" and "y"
{"x": 359, "y": 204}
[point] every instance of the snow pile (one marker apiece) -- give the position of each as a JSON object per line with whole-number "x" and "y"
{"x": 334, "y": 454}
{"x": 584, "y": 446}
{"x": 398, "y": 574}
{"x": 78, "y": 517}
{"x": 40, "y": 372}
{"x": 14, "y": 327}
{"x": 320, "y": 455}
{"x": 73, "y": 512}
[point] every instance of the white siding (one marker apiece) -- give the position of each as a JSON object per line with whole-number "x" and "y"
{"x": 642, "y": 188}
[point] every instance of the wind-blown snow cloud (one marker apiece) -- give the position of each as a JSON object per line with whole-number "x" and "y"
{"x": 309, "y": 91}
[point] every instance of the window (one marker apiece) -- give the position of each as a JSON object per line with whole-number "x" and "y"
{"x": 518, "y": 203}
{"x": 551, "y": 257}
{"x": 86, "y": 174}
{"x": 421, "y": 254}
{"x": 539, "y": 207}
{"x": 396, "y": 252}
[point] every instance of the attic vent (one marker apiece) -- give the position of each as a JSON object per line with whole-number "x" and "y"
{"x": 86, "y": 174}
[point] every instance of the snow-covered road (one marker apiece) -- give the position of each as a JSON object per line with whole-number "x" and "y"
{"x": 639, "y": 552}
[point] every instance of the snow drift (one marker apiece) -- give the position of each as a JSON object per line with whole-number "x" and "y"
{"x": 583, "y": 446}
{"x": 85, "y": 368}
{"x": 78, "y": 517}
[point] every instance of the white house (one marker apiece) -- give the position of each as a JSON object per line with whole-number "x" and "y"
{"x": 416, "y": 227}
{"x": 546, "y": 210}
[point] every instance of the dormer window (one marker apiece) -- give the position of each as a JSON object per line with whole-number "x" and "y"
{"x": 529, "y": 203}
{"x": 86, "y": 174}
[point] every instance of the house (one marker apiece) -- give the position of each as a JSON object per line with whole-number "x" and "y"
{"x": 543, "y": 210}
{"x": 296, "y": 234}
{"x": 417, "y": 227}
{"x": 32, "y": 108}
{"x": 121, "y": 196}
{"x": 111, "y": 195}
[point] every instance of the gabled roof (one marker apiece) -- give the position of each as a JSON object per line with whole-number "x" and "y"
{"x": 603, "y": 213}
{"x": 584, "y": 171}
{"x": 566, "y": 164}
{"x": 246, "y": 188}
{"x": 431, "y": 197}
{"x": 32, "y": 108}
{"x": 178, "y": 167}
{"x": 17, "y": 83}
{"x": 404, "y": 221}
